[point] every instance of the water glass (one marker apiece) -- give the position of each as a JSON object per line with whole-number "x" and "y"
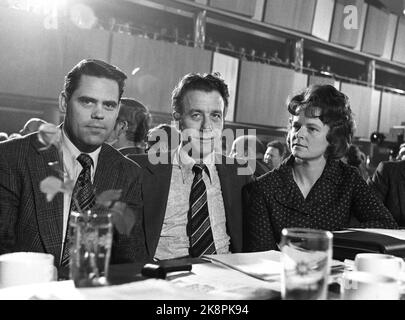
{"x": 306, "y": 260}
{"x": 91, "y": 240}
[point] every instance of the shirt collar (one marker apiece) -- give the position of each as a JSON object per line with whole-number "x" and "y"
{"x": 71, "y": 152}
{"x": 186, "y": 163}
{"x": 331, "y": 171}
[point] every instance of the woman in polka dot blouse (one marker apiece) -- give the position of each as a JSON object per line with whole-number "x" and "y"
{"x": 313, "y": 188}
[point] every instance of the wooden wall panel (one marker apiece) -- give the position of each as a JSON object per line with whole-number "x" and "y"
{"x": 399, "y": 46}
{"x": 242, "y": 7}
{"x": 263, "y": 91}
{"x": 364, "y": 105}
{"x": 323, "y": 80}
{"x": 292, "y": 14}
{"x": 362, "y": 23}
{"x": 35, "y": 59}
{"x": 228, "y": 67}
{"x": 340, "y": 34}
{"x": 392, "y": 111}
{"x": 375, "y": 109}
{"x": 30, "y": 58}
{"x": 81, "y": 44}
{"x": 389, "y": 40}
{"x": 375, "y": 32}
{"x": 323, "y": 19}
{"x": 161, "y": 66}
{"x": 259, "y": 10}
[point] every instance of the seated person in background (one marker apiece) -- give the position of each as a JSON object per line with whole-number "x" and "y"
{"x": 356, "y": 158}
{"x": 388, "y": 181}
{"x": 132, "y": 125}
{"x": 401, "y": 152}
{"x": 274, "y": 154}
{"x": 3, "y": 136}
{"x": 164, "y": 138}
{"x": 32, "y": 125}
{"x": 312, "y": 188}
{"x": 192, "y": 198}
{"x": 249, "y": 148}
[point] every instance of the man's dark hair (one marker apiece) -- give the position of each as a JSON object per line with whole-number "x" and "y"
{"x": 203, "y": 82}
{"x": 278, "y": 145}
{"x": 332, "y": 107}
{"x": 95, "y": 68}
{"x": 138, "y": 118}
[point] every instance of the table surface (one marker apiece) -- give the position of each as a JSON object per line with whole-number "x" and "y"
{"x": 205, "y": 281}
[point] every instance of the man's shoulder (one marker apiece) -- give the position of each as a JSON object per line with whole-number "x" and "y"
{"x": 15, "y": 146}
{"x": 117, "y": 158}
{"x": 391, "y": 167}
{"x": 151, "y": 159}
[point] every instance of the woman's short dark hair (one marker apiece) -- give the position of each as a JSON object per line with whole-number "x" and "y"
{"x": 330, "y": 106}
{"x": 196, "y": 81}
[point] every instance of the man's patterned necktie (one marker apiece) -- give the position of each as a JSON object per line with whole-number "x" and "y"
{"x": 82, "y": 196}
{"x": 199, "y": 227}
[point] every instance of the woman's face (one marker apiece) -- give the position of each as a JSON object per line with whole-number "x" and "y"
{"x": 308, "y": 137}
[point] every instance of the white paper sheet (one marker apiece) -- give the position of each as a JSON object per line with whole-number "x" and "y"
{"x": 399, "y": 234}
{"x": 263, "y": 265}
{"x": 220, "y": 281}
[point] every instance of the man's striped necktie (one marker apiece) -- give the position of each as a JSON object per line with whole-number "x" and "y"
{"x": 82, "y": 196}
{"x": 199, "y": 227}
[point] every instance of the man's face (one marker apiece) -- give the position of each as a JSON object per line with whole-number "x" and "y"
{"x": 202, "y": 121}
{"x": 91, "y": 112}
{"x": 272, "y": 157}
{"x": 308, "y": 137}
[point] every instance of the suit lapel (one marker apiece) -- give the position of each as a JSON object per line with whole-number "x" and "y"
{"x": 49, "y": 214}
{"x": 401, "y": 192}
{"x": 106, "y": 174}
{"x": 227, "y": 174}
{"x": 155, "y": 192}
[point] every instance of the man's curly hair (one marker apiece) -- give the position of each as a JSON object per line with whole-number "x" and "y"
{"x": 203, "y": 82}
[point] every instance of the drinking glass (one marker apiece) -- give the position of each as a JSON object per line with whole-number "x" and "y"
{"x": 306, "y": 259}
{"x": 91, "y": 240}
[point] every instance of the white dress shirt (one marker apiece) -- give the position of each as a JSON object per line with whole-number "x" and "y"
{"x": 173, "y": 241}
{"x": 72, "y": 167}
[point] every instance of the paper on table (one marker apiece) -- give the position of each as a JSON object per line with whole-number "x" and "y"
{"x": 151, "y": 289}
{"x": 221, "y": 282}
{"x": 264, "y": 265}
{"x": 56, "y": 290}
{"x": 399, "y": 234}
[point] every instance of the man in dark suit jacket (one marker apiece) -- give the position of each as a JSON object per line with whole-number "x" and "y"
{"x": 28, "y": 222}
{"x": 200, "y": 103}
{"x": 389, "y": 183}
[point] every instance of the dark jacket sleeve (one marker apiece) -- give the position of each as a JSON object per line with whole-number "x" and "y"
{"x": 132, "y": 248}
{"x": 368, "y": 208}
{"x": 258, "y": 232}
{"x": 379, "y": 182}
{"x": 9, "y": 204}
